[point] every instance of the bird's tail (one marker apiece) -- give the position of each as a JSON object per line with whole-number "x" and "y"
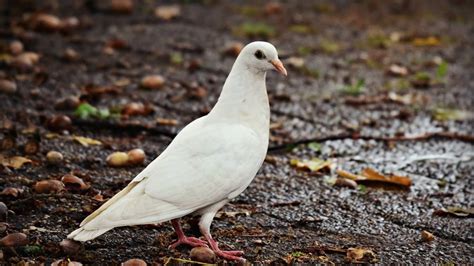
{"x": 82, "y": 234}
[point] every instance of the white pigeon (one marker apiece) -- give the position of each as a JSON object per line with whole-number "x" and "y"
{"x": 211, "y": 161}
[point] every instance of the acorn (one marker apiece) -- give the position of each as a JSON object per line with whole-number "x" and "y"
{"x": 203, "y": 254}
{"x": 14, "y": 240}
{"x": 48, "y": 186}
{"x": 7, "y": 86}
{"x": 134, "y": 262}
{"x": 59, "y": 123}
{"x": 73, "y": 182}
{"x": 152, "y": 82}
{"x": 54, "y": 157}
{"x": 117, "y": 159}
{"x": 16, "y": 47}
{"x": 67, "y": 103}
{"x": 136, "y": 156}
{"x": 70, "y": 247}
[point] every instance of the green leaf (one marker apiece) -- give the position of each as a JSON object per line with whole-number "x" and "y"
{"x": 176, "y": 58}
{"x": 315, "y": 146}
{"x": 355, "y": 89}
{"x": 85, "y": 111}
{"x": 103, "y": 113}
{"x": 362, "y": 188}
{"x": 257, "y": 29}
{"x": 442, "y": 70}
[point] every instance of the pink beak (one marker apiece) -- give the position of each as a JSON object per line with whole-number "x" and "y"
{"x": 279, "y": 66}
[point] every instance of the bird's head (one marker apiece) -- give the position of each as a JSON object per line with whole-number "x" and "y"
{"x": 261, "y": 56}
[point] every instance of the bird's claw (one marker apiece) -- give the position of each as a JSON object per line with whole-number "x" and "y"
{"x": 230, "y": 254}
{"x": 192, "y": 241}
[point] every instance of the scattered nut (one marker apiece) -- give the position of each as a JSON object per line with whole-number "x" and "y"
{"x": 345, "y": 182}
{"x": 136, "y": 109}
{"x": 16, "y": 47}
{"x": 70, "y": 247}
{"x": 427, "y": 236}
{"x": 73, "y": 182}
{"x": 3, "y": 212}
{"x": 14, "y": 240}
{"x": 25, "y": 61}
{"x": 134, "y": 262}
{"x": 68, "y": 103}
{"x": 233, "y": 48}
{"x": 59, "y": 123}
{"x": 167, "y": 12}
{"x": 203, "y": 254}
{"x": 166, "y": 122}
{"x": 7, "y": 86}
{"x": 198, "y": 92}
{"x": 152, "y": 82}
{"x": 47, "y": 22}
{"x": 54, "y": 157}
{"x": 71, "y": 55}
{"x": 121, "y": 6}
{"x": 117, "y": 159}
{"x": 48, "y": 186}
{"x": 10, "y": 191}
{"x": 136, "y": 156}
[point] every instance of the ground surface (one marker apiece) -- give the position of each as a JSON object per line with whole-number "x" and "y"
{"x": 286, "y": 215}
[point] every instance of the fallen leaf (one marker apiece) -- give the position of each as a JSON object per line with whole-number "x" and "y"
{"x": 445, "y": 114}
{"x": 455, "y": 211}
{"x": 427, "y": 41}
{"x": 14, "y": 162}
{"x": 86, "y": 142}
{"x": 357, "y": 255}
{"x": 11, "y": 191}
{"x": 313, "y": 165}
{"x": 177, "y": 261}
{"x": 369, "y": 174}
{"x": 168, "y": 12}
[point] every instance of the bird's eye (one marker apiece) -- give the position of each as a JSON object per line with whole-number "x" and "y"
{"x": 260, "y": 55}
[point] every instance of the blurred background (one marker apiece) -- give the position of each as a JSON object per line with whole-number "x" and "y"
{"x": 379, "y": 85}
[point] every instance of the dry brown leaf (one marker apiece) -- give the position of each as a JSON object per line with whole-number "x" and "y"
{"x": 369, "y": 174}
{"x": 427, "y": 236}
{"x": 166, "y": 122}
{"x": 360, "y": 255}
{"x": 313, "y": 165}
{"x": 455, "y": 211}
{"x": 86, "y": 142}
{"x": 428, "y": 41}
{"x": 232, "y": 214}
{"x": 14, "y": 162}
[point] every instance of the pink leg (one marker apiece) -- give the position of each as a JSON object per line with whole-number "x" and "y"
{"x": 228, "y": 255}
{"x": 182, "y": 239}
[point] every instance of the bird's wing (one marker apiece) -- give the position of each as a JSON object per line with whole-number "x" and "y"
{"x": 203, "y": 165}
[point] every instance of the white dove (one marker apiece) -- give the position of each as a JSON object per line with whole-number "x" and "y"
{"x": 211, "y": 161}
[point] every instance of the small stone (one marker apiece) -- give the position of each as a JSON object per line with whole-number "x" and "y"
{"x": 3, "y": 212}
{"x": 66, "y": 262}
{"x": 198, "y": 92}
{"x": 47, "y": 22}
{"x": 134, "y": 262}
{"x": 136, "y": 156}
{"x": 427, "y": 236}
{"x": 25, "y": 61}
{"x": 16, "y": 47}
{"x": 7, "y": 86}
{"x": 203, "y": 254}
{"x": 73, "y": 182}
{"x": 153, "y": 82}
{"x": 273, "y": 8}
{"x": 48, "y": 186}
{"x": 54, "y": 157}
{"x": 70, "y": 247}
{"x": 14, "y": 240}
{"x": 117, "y": 159}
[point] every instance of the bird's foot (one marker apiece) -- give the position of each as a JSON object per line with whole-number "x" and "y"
{"x": 192, "y": 241}
{"x": 227, "y": 254}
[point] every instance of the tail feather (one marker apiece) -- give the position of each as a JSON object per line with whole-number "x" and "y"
{"x": 83, "y": 235}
